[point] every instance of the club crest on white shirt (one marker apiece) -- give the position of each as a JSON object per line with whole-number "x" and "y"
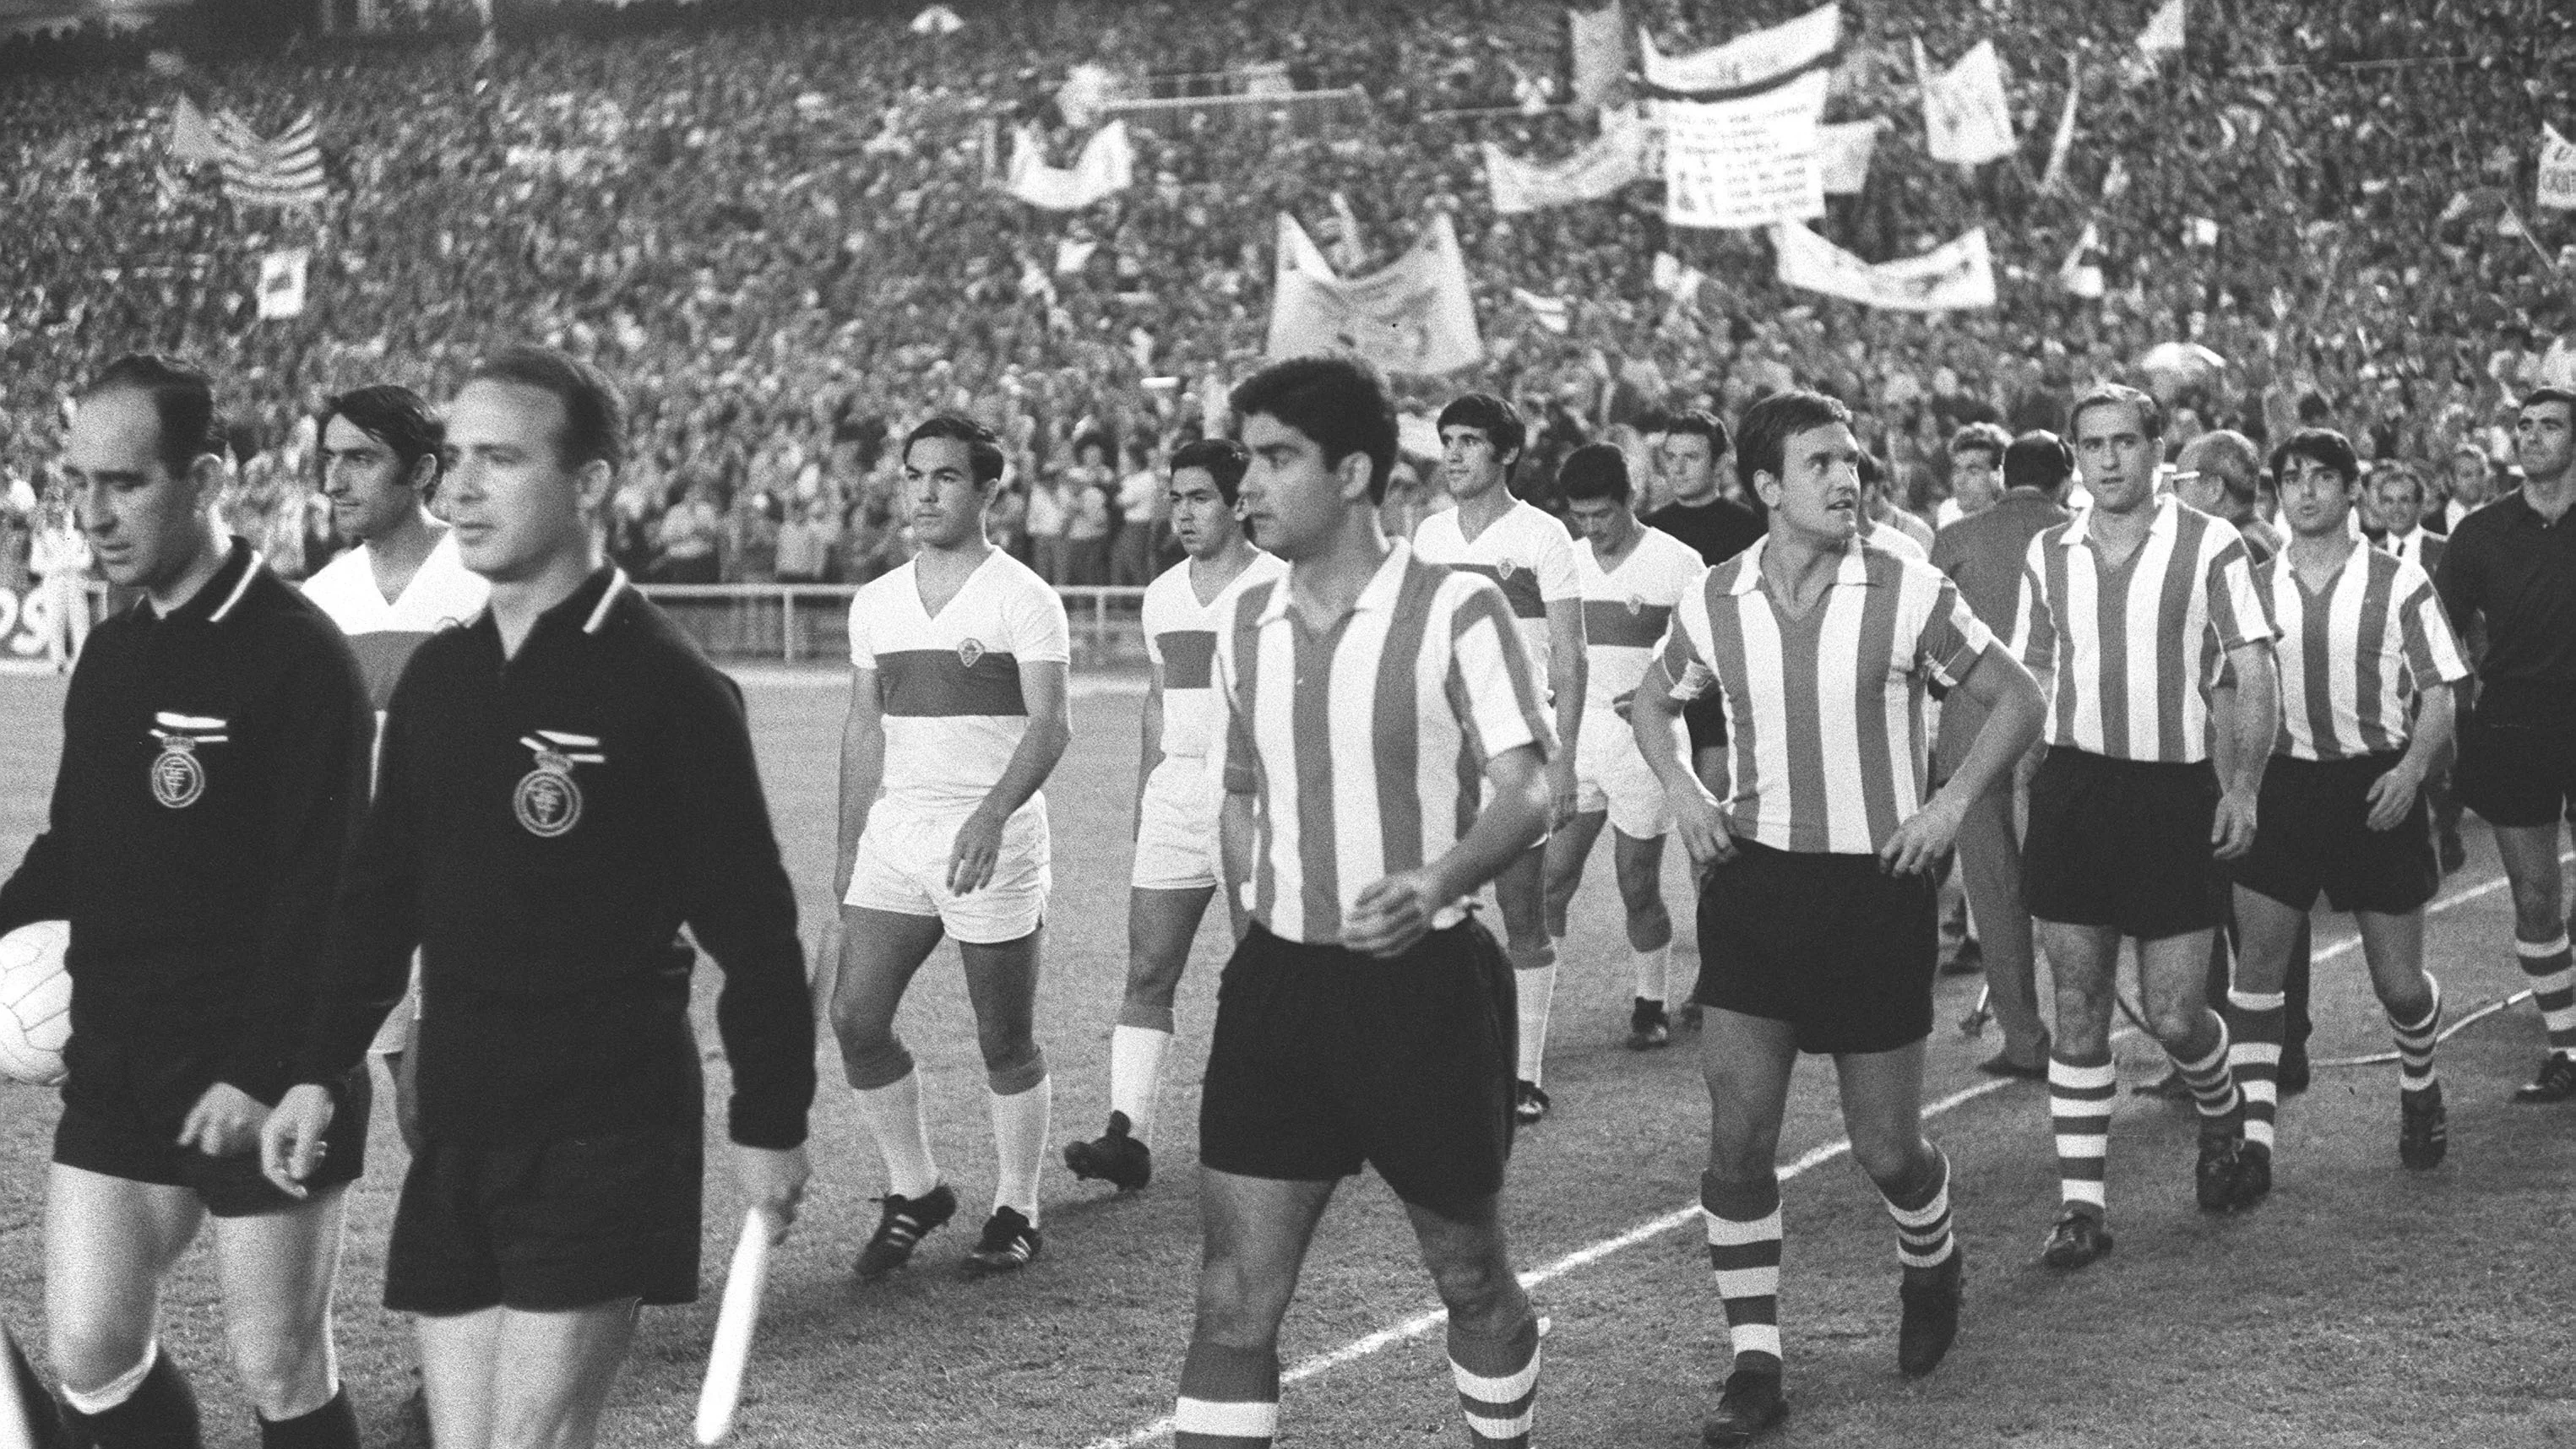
{"x": 969, "y": 650}
{"x": 1636, "y": 605}
{"x": 178, "y": 775}
{"x": 1505, "y": 568}
{"x": 548, "y": 799}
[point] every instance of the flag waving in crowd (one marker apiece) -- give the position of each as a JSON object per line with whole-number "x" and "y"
{"x": 1415, "y": 317}
{"x": 284, "y": 172}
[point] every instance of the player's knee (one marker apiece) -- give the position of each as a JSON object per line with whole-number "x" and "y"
{"x": 876, "y": 1060}
{"x": 1237, "y": 1309}
{"x": 91, "y": 1354}
{"x": 1743, "y": 1163}
{"x": 1894, "y": 1158}
{"x": 1014, "y": 1068}
{"x": 2180, "y": 1022}
{"x": 284, "y": 1368}
{"x": 1475, "y": 1289}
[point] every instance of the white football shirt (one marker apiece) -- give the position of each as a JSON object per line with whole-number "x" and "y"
{"x": 950, "y": 684}
{"x": 1180, "y": 638}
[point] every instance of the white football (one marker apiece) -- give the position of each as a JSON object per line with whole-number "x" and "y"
{"x": 35, "y": 1003}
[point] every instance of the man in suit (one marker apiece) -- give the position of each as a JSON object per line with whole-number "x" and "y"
{"x": 2397, "y": 496}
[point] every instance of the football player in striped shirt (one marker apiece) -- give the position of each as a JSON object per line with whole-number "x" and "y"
{"x": 1529, "y": 553}
{"x": 1632, "y": 577}
{"x": 2368, "y": 665}
{"x": 1175, "y": 872}
{"x": 1384, "y": 753}
{"x": 957, "y": 710}
{"x": 1816, "y": 904}
{"x": 2140, "y": 619}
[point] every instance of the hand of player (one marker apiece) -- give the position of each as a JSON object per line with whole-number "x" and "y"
{"x": 2231, "y": 832}
{"x": 971, "y": 859}
{"x": 1560, "y": 793}
{"x": 1391, "y": 915}
{"x": 1702, "y": 827}
{"x": 2392, "y": 795}
{"x": 291, "y": 1142}
{"x": 773, "y": 1180}
{"x": 1923, "y": 839}
{"x": 224, "y": 1123}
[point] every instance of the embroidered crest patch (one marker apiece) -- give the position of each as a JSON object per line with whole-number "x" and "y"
{"x": 970, "y": 650}
{"x": 178, "y": 776}
{"x": 548, "y": 800}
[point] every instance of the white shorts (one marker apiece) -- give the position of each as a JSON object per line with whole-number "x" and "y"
{"x": 902, "y": 868}
{"x": 1176, "y": 846}
{"x": 1610, "y": 775}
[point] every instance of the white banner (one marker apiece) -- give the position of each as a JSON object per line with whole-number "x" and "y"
{"x": 2164, "y": 29}
{"x": 1613, "y": 160}
{"x": 1746, "y": 61}
{"x": 1414, "y": 317}
{"x": 1600, "y": 51}
{"x": 1748, "y": 162}
{"x": 1843, "y": 154}
{"x": 1107, "y": 166}
{"x": 937, "y": 20}
{"x": 1957, "y": 274}
{"x": 281, "y": 283}
{"x": 2080, "y": 273}
{"x": 2557, "y": 170}
{"x": 1964, "y": 111}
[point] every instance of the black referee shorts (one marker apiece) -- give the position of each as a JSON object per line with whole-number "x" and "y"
{"x": 1326, "y": 1060}
{"x": 549, "y": 1226}
{"x": 123, "y": 1108}
{"x": 1832, "y": 945}
{"x": 2518, "y": 757}
{"x": 2312, "y": 833}
{"x": 2123, "y": 843}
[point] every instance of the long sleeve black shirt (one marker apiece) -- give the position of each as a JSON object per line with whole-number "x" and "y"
{"x": 2511, "y": 574}
{"x": 213, "y": 773}
{"x": 543, "y": 826}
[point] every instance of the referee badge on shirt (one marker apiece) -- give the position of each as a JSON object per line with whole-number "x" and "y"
{"x": 548, "y": 800}
{"x": 969, "y": 650}
{"x": 178, "y": 776}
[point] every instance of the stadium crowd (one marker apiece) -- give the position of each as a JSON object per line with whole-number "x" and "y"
{"x": 782, "y": 231}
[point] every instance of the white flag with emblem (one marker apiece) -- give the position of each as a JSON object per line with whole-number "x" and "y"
{"x": 281, "y": 282}
{"x": 1964, "y": 110}
{"x": 2557, "y": 170}
{"x": 1416, "y": 316}
{"x": 1748, "y": 61}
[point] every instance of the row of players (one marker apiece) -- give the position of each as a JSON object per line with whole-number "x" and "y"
{"x": 1348, "y": 737}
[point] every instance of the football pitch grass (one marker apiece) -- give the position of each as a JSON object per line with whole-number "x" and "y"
{"x": 2359, "y": 1306}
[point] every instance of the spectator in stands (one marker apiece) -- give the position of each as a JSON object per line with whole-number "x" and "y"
{"x": 686, "y": 542}
{"x": 1140, "y": 513}
{"x": 1050, "y": 512}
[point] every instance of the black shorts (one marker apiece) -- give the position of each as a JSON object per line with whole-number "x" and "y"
{"x": 2312, "y": 834}
{"x": 2518, "y": 758}
{"x": 1830, "y": 944}
{"x": 2122, "y": 843}
{"x": 1705, "y": 718}
{"x": 124, "y": 1106}
{"x": 1325, "y": 1059}
{"x": 548, "y": 1226}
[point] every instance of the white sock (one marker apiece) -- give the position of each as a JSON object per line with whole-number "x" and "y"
{"x": 1536, "y": 989}
{"x": 1020, "y": 1126}
{"x": 893, "y": 1115}
{"x": 117, "y": 1390}
{"x": 1135, "y": 1074}
{"x": 1652, "y": 969}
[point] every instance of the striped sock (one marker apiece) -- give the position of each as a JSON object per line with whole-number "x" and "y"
{"x": 2254, "y": 1057}
{"x": 1745, "y": 1254}
{"x": 1497, "y": 1384}
{"x": 2080, "y": 1096}
{"x": 2553, "y": 989}
{"x": 2415, "y": 1043}
{"x": 1652, "y": 970}
{"x": 1923, "y": 1227}
{"x": 1229, "y": 1398}
{"x": 2213, "y": 1086}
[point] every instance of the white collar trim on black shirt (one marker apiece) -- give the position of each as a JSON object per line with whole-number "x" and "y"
{"x": 617, "y": 584}
{"x": 241, "y": 586}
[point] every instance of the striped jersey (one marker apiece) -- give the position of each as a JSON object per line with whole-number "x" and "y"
{"x": 1180, "y": 639}
{"x": 1825, "y": 742}
{"x": 1363, "y": 746}
{"x": 383, "y": 635}
{"x": 950, "y": 684}
{"x": 1526, "y": 551}
{"x": 1627, "y": 610}
{"x": 2355, "y": 654}
{"x": 2128, "y": 652}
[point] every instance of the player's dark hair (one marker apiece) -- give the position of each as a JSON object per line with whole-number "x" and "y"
{"x": 2327, "y": 449}
{"x": 1700, "y": 423}
{"x": 2151, "y": 414}
{"x": 594, "y": 421}
{"x": 1981, "y": 437}
{"x": 983, "y": 449}
{"x": 1222, "y": 459}
{"x": 394, "y": 416}
{"x": 2549, "y": 394}
{"x": 1762, "y": 435}
{"x": 1337, "y": 400}
{"x": 1492, "y": 416}
{"x": 2243, "y": 473}
{"x": 1595, "y": 470}
{"x": 183, "y": 403}
{"x": 2039, "y": 459}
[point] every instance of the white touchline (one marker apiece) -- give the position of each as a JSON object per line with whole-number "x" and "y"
{"x": 1422, "y": 1323}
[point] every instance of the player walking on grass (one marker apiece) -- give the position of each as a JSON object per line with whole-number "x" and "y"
{"x": 1176, "y": 865}
{"x": 1531, "y": 556}
{"x": 2511, "y": 567}
{"x": 2141, "y": 621}
{"x": 957, "y": 713}
{"x": 563, "y": 784}
{"x": 1817, "y": 892}
{"x": 1632, "y": 578}
{"x": 214, "y": 766}
{"x": 1365, "y": 1018}
{"x": 2368, "y": 663}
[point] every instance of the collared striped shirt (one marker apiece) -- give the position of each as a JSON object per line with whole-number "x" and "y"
{"x": 2355, "y": 654}
{"x": 2128, "y": 652}
{"x": 1363, "y": 746}
{"x": 949, "y": 683}
{"x": 1824, "y": 712}
{"x": 1627, "y": 611}
{"x": 1526, "y": 551}
{"x": 1180, "y": 641}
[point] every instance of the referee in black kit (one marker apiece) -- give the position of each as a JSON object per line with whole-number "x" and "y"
{"x": 564, "y": 783}
{"x": 214, "y": 764}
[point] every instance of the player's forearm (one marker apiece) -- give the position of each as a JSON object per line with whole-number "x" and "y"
{"x": 1513, "y": 820}
{"x": 862, "y": 774}
{"x": 1031, "y": 763}
{"x": 1651, "y": 713}
{"x": 2013, "y": 716}
{"x": 1568, "y": 674}
{"x": 1235, "y": 843}
{"x": 2256, "y": 720}
{"x": 1149, "y": 753}
{"x": 2436, "y": 725}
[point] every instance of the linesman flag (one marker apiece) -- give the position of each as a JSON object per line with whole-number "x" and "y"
{"x": 285, "y": 172}
{"x": 2557, "y": 170}
{"x": 1415, "y": 317}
